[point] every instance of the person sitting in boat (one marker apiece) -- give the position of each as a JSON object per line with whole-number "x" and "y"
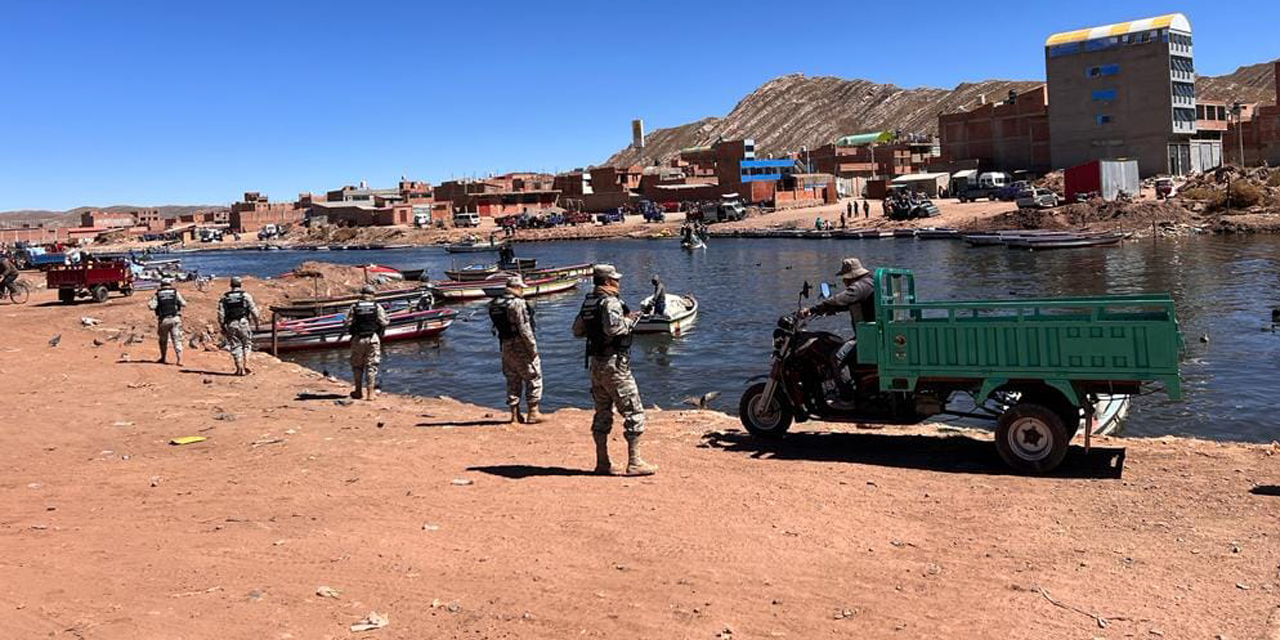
{"x": 506, "y": 256}
{"x": 659, "y": 298}
{"x": 858, "y": 299}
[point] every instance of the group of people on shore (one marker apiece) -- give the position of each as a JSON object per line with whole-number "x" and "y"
{"x": 607, "y": 324}
{"x": 236, "y": 309}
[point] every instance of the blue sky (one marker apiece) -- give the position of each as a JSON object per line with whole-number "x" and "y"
{"x": 195, "y": 102}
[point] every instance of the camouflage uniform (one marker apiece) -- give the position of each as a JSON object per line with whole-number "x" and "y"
{"x": 604, "y": 321}
{"x": 168, "y": 325}
{"x": 612, "y": 384}
{"x": 521, "y": 364}
{"x": 238, "y": 332}
{"x": 366, "y": 350}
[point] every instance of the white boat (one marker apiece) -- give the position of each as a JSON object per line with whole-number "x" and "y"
{"x": 694, "y": 244}
{"x": 680, "y": 314}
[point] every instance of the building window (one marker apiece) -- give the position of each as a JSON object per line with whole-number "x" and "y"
{"x": 1181, "y": 115}
{"x": 1104, "y": 95}
{"x": 1102, "y": 119}
{"x": 1179, "y": 63}
{"x": 1184, "y": 90}
{"x": 1102, "y": 70}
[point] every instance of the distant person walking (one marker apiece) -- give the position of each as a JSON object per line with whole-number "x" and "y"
{"x": 235, "y": 310}
{"x": 866, "y": 209}
{"x": 168, "y": 305}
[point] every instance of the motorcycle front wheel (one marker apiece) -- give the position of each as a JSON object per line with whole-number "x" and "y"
{"x": 764, "y": 419}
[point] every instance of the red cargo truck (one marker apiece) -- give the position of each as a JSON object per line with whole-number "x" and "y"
{"x": 96, "y": 278}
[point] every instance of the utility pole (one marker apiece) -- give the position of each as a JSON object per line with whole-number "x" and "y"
{"x": 1235, "y": 110}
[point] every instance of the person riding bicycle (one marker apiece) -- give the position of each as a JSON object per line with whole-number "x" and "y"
{"x": 8, "y": 274}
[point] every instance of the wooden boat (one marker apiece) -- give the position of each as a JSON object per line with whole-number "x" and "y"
{"x": 312, "y": 307}
{"x": 383, "y": 272}
{"x": 681, "y": 312}
{"x": 474, "y": 247}
{"x": 533, "y": 287}
{"x": 693, "y": 244}
{"x": 904, "y": 233}
{"x": 326, "y": 332}
{"x": 1077, "y": 242}
{"x": 937, "y": 233}
{"x": 472, "y": 272}
{"x": 412, "y": 274}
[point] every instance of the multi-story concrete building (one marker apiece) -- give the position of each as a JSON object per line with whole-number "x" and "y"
{"x": 1127, "y": 90}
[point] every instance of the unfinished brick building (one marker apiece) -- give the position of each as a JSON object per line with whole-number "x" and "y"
{"x": 1009, "y": 135}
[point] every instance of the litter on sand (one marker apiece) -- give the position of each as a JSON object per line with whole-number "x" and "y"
{"x": 371, "y": 622}
{"x": 188, "y": 440}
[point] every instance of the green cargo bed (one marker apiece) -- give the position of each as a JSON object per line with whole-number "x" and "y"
{"x": 1071, "y": 344}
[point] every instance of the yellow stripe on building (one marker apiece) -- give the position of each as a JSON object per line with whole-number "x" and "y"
{"x": 1172, "y": 20}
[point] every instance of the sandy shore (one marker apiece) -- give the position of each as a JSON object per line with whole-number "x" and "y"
{"x": 456, "y": 526}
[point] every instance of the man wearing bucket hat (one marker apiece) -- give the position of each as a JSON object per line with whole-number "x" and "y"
{"x": 168, "y": 305}
{"x": 858, "y": 298}
{"x": 606, "y": 323}
{"x": 235, "y": 310}
{"x": 365, "y": 321}
{"x": 521, "y": 366}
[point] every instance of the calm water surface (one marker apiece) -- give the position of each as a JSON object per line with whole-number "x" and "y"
{"x": 1224, "y": 288}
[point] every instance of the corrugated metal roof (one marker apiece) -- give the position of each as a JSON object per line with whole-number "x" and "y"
{"x": 864, "y": 138}
{"x": 1172, "y": 21}
{"x": 919, "y": 177}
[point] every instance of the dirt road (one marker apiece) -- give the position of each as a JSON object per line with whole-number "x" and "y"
{"x": 455, "y": 526}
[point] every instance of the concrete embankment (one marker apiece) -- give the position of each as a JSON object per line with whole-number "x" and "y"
{"x": 451, "y": 524}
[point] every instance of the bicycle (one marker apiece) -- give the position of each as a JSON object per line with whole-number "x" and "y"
{"x": 19, "y": 292}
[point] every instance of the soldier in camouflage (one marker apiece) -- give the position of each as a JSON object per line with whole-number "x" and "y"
{"x": 606, "y": 323}
{"x": 235, "y": 310}
{"x": 168, "y": 305}
{"x": 513, "y": 322}
{"x": 366, "y": 320}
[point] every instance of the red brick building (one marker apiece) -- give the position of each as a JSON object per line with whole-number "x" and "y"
{"x": 256, "y": 212}
{"x": 1259, "y": 133}
{"x": 1008, "y": 135}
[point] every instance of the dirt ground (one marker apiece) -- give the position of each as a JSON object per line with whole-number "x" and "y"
{"x": 452, "y": 525}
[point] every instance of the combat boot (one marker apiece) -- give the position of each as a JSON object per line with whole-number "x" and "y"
{"x": 371, "y": 386}
{"x": 635, "y": 465}
{"x": 358, "y": 374}
{"x": 603, "y": 466}
{"x": 534, "y": 416}
{"x": 515, "y": 414}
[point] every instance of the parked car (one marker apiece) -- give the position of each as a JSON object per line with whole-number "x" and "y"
{"x": 1011, "y": 191}
{"x": 1037, "y": 198}
{"x": 610, "y": 216}
{"x": 466, "y": 219}
{"x": 988, "y": 186}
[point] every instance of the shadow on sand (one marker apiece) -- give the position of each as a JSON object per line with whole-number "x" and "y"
{"x": 522, "y": 471}
{"x": 952, "y": 453}
{"x": 1266, "y": 490}
{"x": 464, "y": 423}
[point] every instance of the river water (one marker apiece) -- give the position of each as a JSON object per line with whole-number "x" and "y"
{"x": 1224, "y": 288}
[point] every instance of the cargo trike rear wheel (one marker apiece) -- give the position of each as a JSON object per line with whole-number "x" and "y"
{"x": 764, "y": 418}
{"x": 1031, "y": 438}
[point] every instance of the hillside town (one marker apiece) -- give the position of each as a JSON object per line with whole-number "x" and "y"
{"x": 1094, "y": 105}
{"x": 991, "y": 362}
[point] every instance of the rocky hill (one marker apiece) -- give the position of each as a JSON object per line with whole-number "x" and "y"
{"x": 1254, "y": 83}
{"x": 795, "y": 110}
{"x": 71, "y": 217}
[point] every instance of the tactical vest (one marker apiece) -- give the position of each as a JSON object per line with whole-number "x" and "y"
{"x": 596, "y": 318}
{"x": 234, "y": 306}
{"x": 166, "y": 303}
{"x": 499, "y": 314}
{"x": 364, "y": 319}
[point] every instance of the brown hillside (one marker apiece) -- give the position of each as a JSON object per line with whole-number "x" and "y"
{"x": 71, "y": 217}
{"x": 1254, "y": 83}
{"x": 794, "y": 110}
